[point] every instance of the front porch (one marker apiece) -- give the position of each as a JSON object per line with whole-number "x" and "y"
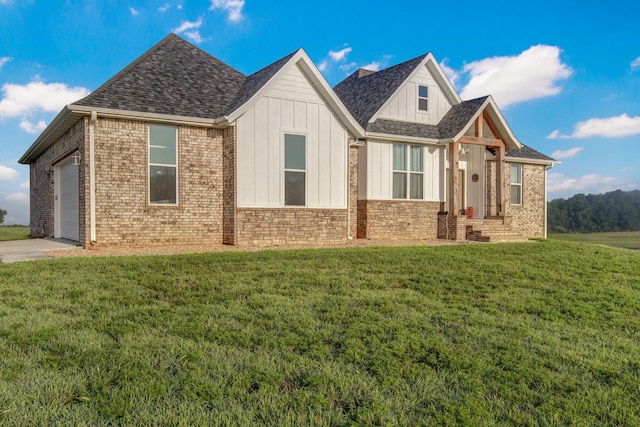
{"x": 489, "y": 229}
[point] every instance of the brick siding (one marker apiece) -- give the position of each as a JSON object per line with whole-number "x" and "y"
{"x": 123, "y": 213}
{"x": 398, "y": 219}
{"x": 528, "y": 218}
{"x": 283, "y": 226}
{"x": 42, "y": 181}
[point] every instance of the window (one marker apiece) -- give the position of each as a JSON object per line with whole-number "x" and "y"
{"x": 423, "y": 98}
{"x": 295, "y": 165}
{"x": 408, "y": 171}
{"x": 516, "y": 183}
{"x": 163, "y": 165}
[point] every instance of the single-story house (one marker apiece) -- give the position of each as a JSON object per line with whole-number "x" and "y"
{"x": 179, "y": 147}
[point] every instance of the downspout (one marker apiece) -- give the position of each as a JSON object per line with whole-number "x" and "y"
{"x": 92, "y": 177}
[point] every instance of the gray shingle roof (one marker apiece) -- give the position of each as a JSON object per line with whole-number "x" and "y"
{"x": 256, "y": 81}
{"x": 364, "y": 92}
{"x": 173, "y": 77}
{"x": 451, "y": 124}
{"x": 527, "y": 152}
{"x": 459, "y": 116}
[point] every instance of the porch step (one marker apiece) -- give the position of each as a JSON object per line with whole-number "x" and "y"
{"x": 492, "y": 231}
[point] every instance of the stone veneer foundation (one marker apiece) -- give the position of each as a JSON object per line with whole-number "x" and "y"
{"x": 282, "y": 226}
{"x": 398, "y": 219}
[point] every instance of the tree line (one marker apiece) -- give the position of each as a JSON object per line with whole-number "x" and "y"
{"x": 615, "y": 211}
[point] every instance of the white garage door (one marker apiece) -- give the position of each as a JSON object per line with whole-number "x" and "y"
{"x": 69, "y": 201}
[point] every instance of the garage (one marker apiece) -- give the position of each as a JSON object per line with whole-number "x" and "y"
{"x": 67, "y": 201}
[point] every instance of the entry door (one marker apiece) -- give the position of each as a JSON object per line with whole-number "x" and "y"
{"x": 68, "y": 204}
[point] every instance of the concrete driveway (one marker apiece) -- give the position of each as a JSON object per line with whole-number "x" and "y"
{"x": 27, "y": 250}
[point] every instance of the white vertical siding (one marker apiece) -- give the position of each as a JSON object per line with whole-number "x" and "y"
{"x": 475, "y": 190}
{"x": 291, "y": 105}
{"x": 379, "y": 173}
{"x": 404, "y": 106}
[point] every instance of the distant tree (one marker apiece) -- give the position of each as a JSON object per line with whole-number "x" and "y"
{"x": 614, "y": 211}
{"x": 2, "y": 214}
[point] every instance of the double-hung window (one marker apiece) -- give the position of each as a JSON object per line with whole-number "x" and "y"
{"x": 295, "y": 169}
{"x": 408, "y": 171}
{"x": 163, "y": 165}
{"x": 516, "y": 183}
{"x": 423, "y": 98}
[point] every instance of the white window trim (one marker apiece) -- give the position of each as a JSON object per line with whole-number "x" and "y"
{"x": 408, "y": 172}
{"x": 283, "y": 169}
{"x": 422, "y": 97}
{"x": 512, "y": 184}
{"x": 149, "y": 164}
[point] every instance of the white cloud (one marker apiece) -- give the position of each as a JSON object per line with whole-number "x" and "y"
{"x": 24, "y": 100}
{"x": 560, "y": 185}
{"x": 16, "y": 197}
{"x": 4, "y": 60}
{"x": 373, "y": 66}
{"x": 323, "y": 65}
{"x": 532, "y": 74}
{"x": 7, "y": 173}
{"x": 187, "y": 25}
{"x": 232, "y": 7}
{"x": 348, "y": 67}
{"x": 134, "y": 12}
{"x": 194, "y": 36}
{"x": 25, "y": 184}
{"x": 340, "y": 55}
{"x": 29, "y": 127}
{"x": 451, "y": 74}
{"x": 635, "y": 64}
{"x": 190, "y": 30}
{"x": 565, "y": 154}
{"x": 163, "y": 9}
{"x": 610, "y": 127}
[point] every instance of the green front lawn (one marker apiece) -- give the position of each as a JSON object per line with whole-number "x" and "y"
{"x": 13, "y": 232}
{"x": 544, "y": 333}
{"x": 620, "y": 239}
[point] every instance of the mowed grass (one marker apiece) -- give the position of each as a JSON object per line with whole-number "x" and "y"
{"x": 621, "y": 239}
{"x": 13, "y": 232}
{"x": 544, "y": 333}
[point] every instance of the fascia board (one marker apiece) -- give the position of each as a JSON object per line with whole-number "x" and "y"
{"x": 401, "y": 138}
{"x": 531, "y": 161}
{"x": 40, "y": 144}
{"x": 503, "y": 126}
{"x": 136, "y": 115}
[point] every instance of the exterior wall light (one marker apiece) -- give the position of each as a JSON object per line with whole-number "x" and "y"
{"x": 76, "y": 158}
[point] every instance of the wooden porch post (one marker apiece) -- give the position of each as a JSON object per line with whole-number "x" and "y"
{"x": 454, "y": 158}
{"x": 500, "y": 180}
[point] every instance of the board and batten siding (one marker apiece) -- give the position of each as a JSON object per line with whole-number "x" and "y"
{"x": 404, "y": 105}
{"x": 291, "y": 105}
{"x": 377, "y": 165}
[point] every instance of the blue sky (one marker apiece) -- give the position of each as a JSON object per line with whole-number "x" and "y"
{"x": 565, "y": 73}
